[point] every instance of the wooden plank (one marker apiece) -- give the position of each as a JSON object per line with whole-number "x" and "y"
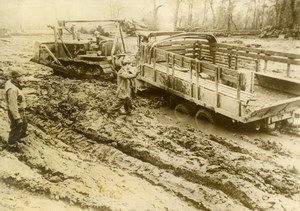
{"x": 244, "y": 94}
{"x": 173, "y": 69}
{"x": 256, "y": 53}
{"x": 167, "y": 65}
{"x": 225, "y": 90}
{"x": 229, "y": 78}
{"x": 282, "y": 84}
{"x": 208, "y": 71}
{"x": 259, "y": 56}
{"x": 191, "y": 78}
{"x": 239, "y": 95}
{"x": 231, "y": 72}
{"x": 184, "y": 42}
{"x": 183, "y": 52}
{"x": 261, "y": 51}
{"x": 154, "y": 63}
{"x": 276, "y": 108}
{"x": 198, "y": 69}
{"x": 159, "y": 57}
{"x": 207, "y": 84}
{"x": 217, "y": 87}
{"x": 223, "y": 64}
{"x": 209, "y": 66}
{"x": 176, "y": 47}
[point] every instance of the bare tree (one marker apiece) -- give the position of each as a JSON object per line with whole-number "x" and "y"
{"x": 221, "y": 21}
{"x": 190, "y": 12}
{"x": 155, "y": 15}
{"x": 295, "y": 12}
{"x": 253, "y": 25}
{"x": 230, "y": 15}
{"x": 211, "y": 3}
{"x": 263, "y": 14}
{"x": 222, "y": 14}
{"x": 204, "y": 13}
{"x": 247, "y": 15}
{"x": 277, "y": 12}
{"x": 176, "y": 13}
{"x": 115, "y": 9}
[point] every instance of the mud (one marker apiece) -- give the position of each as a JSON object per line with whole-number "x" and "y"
{"x": 76, "y": 158}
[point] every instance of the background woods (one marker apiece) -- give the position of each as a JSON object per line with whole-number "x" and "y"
{"x": 273, "y": 16}
{"x": 231, "y": 15}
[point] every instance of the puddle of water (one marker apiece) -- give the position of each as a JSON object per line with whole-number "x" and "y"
{"x": 232, "y": 131}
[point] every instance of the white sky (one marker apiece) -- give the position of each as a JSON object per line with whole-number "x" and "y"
{"x": 39, "y": 13}
{"x": 32, "y": 14}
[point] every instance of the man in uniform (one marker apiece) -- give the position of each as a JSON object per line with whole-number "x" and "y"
{"x": 126, "y": 88}
{"x": 16, "y": 105}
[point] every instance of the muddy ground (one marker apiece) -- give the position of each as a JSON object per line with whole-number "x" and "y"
{"x": 75, "y": 158}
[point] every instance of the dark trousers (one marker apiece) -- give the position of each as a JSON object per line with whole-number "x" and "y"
{"x": 127, "y": 103}
{"x": 17, "y": 131}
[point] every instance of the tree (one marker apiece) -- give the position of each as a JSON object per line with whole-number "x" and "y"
{"x": 221, "y": 21}
{"x": 211, "y": 3}
{"x": 154, "y": 25}
{"x": 176, "y": 13}
{"x": 230, "y": 15}
{"x": 204, "y": 13}
{"x": 286, "y": 13}
{"x": 253, "y": 25}
{"x": 190, "y": 12}
{"x": 295, "y": 12}
{"x": 115, "y": 8}
{"x": 247, "y": 15}
{"x": 264, "y": 6}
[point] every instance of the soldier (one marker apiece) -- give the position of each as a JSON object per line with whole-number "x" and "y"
{"x": 16, "y": 107}
{"x": 126, "y": 88}
{"x": 98, "y": 37}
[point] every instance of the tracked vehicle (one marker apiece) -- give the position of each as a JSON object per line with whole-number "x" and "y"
{"x": 81, "y": 55}
{"x": 209, "y": 79}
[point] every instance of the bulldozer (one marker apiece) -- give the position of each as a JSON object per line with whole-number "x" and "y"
{"x": 75, "y": 54}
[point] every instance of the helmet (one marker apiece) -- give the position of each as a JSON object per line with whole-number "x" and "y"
{"x": 16, "y": 73}
{"x": 126, "y": 61}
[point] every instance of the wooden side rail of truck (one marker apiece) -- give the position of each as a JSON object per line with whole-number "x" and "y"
{"x": 177, "y": 65}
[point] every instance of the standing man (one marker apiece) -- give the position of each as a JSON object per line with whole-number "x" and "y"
{"x": 126, "y": 88}
{"x": 16, "y": 107}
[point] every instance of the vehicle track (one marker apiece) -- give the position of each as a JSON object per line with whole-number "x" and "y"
{"x": 75, "y": 154}
{"x": 213, "y": 163}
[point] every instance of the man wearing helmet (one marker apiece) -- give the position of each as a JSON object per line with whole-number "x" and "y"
{"x": 98, "y": 37}
{"x": 16, "y": 105}
{"x": 126, "y": 87}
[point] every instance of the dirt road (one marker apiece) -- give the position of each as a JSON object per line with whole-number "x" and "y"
{"x": 76, "y": 159}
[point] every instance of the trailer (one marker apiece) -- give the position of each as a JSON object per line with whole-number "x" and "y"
{"x": 218, "y": 79}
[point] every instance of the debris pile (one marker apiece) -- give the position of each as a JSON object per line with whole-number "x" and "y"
{"x": 273, "y": 32}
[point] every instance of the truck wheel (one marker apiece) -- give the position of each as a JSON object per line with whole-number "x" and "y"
{"x": 257, "y": 125}
{"x": 205, "y": 115}
{"x": 182, "y": 111}
{"x": 263, "y": 126}
{"x": 268, "y": 127}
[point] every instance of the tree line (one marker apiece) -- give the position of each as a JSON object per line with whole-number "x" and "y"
{"x": 231, "y": 15}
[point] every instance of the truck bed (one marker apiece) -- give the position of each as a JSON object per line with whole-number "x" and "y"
{"x": 259, "y": 104}
{"x": 221, "y": 78}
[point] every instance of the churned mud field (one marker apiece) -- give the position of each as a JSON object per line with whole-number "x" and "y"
{"x": 76, "y": 158}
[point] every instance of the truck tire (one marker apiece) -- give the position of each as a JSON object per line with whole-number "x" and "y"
{"x": 268, "y": 127}
{"x": 205, "y": 114}
{"x": 263, "y": 126}
{"x": 257, "y": 126}
{"x": 182, "y": 112}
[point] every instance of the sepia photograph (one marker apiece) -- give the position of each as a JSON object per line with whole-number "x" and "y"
{"x": 150, "y": 105}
